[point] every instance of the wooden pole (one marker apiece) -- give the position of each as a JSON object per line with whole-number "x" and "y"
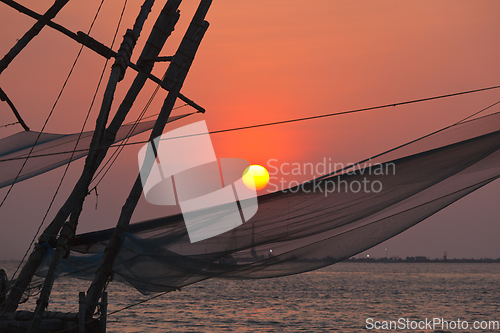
{"x": 62, "y": 247}
{"x": 81, "y": 312}
{"x": 77, "y": 196}
{"x": 30, "y": 34}
{"x": 4, "y": 97}
{"x": 176, "y": 74}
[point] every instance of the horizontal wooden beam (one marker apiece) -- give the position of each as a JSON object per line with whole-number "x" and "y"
{"x": 98, "y": 47}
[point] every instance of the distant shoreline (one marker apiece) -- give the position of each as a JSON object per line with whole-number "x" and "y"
{"x": 422, "y": 259}
{"x": 379, "y": 260}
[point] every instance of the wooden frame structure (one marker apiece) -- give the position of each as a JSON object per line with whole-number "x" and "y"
{"x": 65, "y": 223}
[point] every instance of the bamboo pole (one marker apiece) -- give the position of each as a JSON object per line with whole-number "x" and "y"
{"x": 4, "y": 97}
{"x": 30, "y": 34}
{"x": 176, "y": 74}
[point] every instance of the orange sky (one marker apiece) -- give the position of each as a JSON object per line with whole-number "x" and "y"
{"x": 264, "y": 61}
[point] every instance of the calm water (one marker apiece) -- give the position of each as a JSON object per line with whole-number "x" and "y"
{"x": 337, "y": 298}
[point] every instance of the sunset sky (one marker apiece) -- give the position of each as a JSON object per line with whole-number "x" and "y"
{"x": 263, "y": 61}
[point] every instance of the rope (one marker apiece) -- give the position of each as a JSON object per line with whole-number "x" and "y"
{"x": 357, "y": 110}
{"x": 293, "y": 120}
{"x": 80, "y": 134}
{"x": 7, "y": 125}
{"x": 140, "y": 302}
{"x": 410, "y": 142}
{"x": 119, "y": 310}
{"x": 117, "y": 145}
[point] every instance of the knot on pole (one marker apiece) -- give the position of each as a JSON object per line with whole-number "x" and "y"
{"x": 125, "y": 52}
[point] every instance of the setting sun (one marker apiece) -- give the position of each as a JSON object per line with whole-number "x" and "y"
{"x": 255, "y": 177}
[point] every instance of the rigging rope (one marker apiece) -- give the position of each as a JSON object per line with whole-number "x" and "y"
{"x": 81, "y": 131}
{"x": 357, "y": 110}
{"x": 7, "y": 125}
{"x": 409, "y": 142}
{"x": 296, "y": 119}
{"x": 123, "y": 309}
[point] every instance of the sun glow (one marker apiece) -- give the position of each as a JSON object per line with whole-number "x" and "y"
{"x": 255, "y": 177}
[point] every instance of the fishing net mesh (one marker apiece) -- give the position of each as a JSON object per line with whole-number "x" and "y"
{"x": 315, "y": 224}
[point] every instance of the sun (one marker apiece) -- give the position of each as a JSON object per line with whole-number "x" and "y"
{"x": 255, "y": 177}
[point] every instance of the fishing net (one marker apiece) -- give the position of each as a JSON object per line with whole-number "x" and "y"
{"x": 49, "y": 151}
{"x": 312, "y": 225}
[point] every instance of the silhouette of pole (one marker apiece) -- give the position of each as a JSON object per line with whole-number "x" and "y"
{"x": 175, "y": 76}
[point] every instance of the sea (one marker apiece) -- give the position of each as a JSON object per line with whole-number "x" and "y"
{"x": 345, "y": 297}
